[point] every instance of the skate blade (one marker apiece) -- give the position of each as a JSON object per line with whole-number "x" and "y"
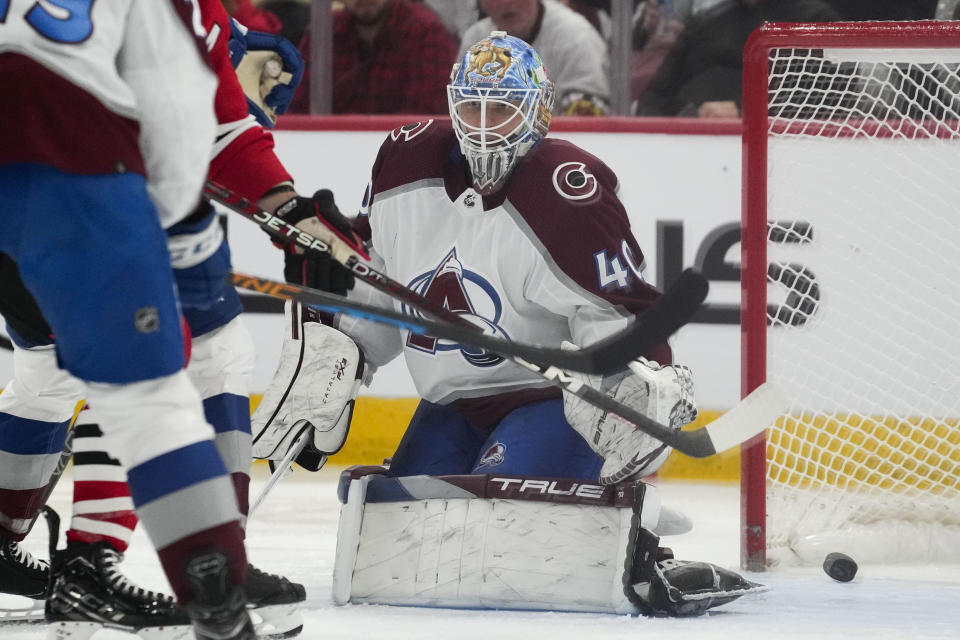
{"x": 70, "y": 630}
{"x": 31, "y": 613}
{"x": 277, "y": 621}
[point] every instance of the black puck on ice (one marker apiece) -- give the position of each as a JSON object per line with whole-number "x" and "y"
{"x": 840, "y": 566}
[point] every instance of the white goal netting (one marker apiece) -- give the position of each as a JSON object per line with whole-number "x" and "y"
{"x": 863, "y": 210}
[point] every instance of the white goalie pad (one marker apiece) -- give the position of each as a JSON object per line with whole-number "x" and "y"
{"x": 489, "y": 541}
{"x": 315, "y": 386}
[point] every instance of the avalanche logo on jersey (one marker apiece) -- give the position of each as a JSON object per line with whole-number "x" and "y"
{"x": 572, "y": 181}
{"x": 469, "y": 295}
{"x": 493, "y": 456}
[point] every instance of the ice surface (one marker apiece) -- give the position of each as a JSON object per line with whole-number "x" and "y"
{"x": 294, "y": 533}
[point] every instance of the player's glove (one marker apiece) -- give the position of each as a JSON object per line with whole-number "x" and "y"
{"x": 243, "y": 41}
{"x": 200, "y": 258}
{"x": 662, "y": 393}
{"x": 320, "y": 217}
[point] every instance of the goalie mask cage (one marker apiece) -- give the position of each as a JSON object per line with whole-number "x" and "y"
{"x": 851, "y": 291}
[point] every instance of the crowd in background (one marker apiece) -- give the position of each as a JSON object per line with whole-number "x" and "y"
{"x": 394, "y": 56}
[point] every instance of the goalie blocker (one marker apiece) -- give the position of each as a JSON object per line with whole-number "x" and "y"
{"x": 314, "y": 388}
{"x": 516, "y": 542}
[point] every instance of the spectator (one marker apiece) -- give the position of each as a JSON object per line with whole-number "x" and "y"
{"x": 251, "y": 17}
{"x": 573, "y": 52}
{"x": 294, "y": 15}
{"x": 656, "y": 26}
{"x": 701, "y": 76}
{"x": 948, "y": 10}
{"x": 597, "y": 13}
{"x": 456, "y": 15}
{"x": 389, "y": 56}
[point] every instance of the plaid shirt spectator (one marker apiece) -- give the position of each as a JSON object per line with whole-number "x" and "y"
{"x": 251, "y": 17}
{"x": 405, "y": 70}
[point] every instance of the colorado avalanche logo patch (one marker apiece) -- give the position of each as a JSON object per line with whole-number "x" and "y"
{"x": 493, "y": 456}
{"x": 573, "y": 181}
{"x": 410, "y": 131}
{"x": 466, "y": 293}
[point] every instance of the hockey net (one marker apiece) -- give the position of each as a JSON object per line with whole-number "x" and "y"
{"x": 851, "y": 291}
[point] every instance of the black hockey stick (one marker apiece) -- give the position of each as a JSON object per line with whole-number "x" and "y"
{"x": 703, "y": 442}
{"x": 613, "y": 353}
{"x": 660, "y": 322}
{"x": 751, "y": 416}
{"x": 688, "y": 292}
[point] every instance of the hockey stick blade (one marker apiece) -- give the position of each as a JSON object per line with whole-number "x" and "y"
{"x": 749, "y": 417}
{"x": 610, "y": 354}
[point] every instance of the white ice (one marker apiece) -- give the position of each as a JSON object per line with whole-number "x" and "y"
{"x": 294, "y": 533}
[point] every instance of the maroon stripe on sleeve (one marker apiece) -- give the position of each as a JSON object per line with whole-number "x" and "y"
{"x": 186, "y": 9}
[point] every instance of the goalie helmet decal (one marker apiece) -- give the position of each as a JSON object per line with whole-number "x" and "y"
{"x": 500, "y": 101}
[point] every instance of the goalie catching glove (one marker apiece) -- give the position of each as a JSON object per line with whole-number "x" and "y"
{"x": 314, "y": 388}
{"x": 662, "y": 393}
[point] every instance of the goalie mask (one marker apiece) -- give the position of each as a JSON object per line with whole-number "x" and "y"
{"x": 500, "y": 104}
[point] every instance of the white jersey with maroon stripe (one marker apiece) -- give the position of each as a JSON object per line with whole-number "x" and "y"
{"x": 551, "y": 257}
{"x": 137, "y": 60}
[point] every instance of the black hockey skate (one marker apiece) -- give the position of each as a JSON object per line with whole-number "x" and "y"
{"x": 88, "y": 593}
{"x": 218, "y": 609}
{"x": 24, "y": 576}
{"x": 660, "y": 585}
{"x": 274, "y": 603}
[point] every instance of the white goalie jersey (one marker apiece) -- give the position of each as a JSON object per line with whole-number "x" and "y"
{"x": 549, "y": 258}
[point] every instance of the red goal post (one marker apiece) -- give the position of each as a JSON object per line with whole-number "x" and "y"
{"x": 851, "y": 225}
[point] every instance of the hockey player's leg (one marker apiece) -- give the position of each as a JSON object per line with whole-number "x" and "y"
{"x": 118, "y": 329}
{"x": 535, "y": 440}
{"x": 88, "y": 570}
{"x": 35, "y": 410}
{"x": 220, "y": 367}
{"x": 202, "y": 555}
{"x": 438, "y": 441}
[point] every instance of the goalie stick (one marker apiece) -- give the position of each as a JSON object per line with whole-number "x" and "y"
{"x": 279, "y": 470}
{"x": 748, "y": 418}
{"x": 649, "y": 329}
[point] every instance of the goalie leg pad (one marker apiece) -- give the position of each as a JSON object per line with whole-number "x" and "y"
{"x": 316, "y": 381}
{"x": 557, "y": 545}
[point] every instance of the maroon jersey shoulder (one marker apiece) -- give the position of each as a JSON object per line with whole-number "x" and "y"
{"x": 413, "y": 152}
{"x": 568, "y": 200}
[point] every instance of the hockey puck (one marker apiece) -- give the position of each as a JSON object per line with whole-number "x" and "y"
{"x": 840, "y": 566}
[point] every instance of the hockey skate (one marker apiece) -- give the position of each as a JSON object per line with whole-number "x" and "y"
{"x": 89, "y": 592}
{"x": 664, "y": 586}
{"x": 218, "y": 609}
{"x": 25, "y": 577}
{"x": 274, "y": 602}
